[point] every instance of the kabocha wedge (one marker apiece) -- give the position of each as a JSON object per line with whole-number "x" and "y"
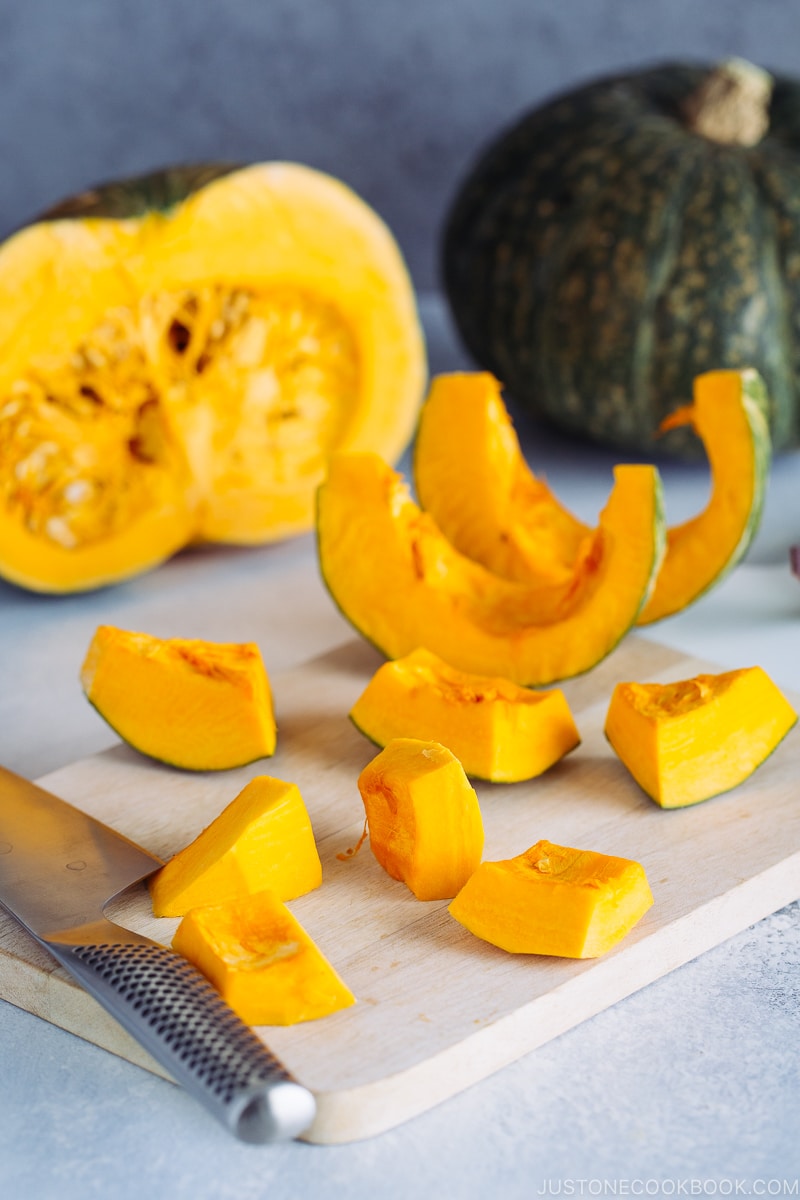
{"x": 470, "y": 475}
{"x": 402, "y": 585}
{"x": 477, "y": 486}
{"x": 262, "y": 839}
{"x": 424, "y": 820}
{"x": 262, "y": 961}
{"x": 554, "y": 900}
{"x": 179, "y": 354}
{"x": 687, "y": 741}
{"x": 203, "y": 706}
{"x": 729, "y": 415}
{"x": 497, "y": 730}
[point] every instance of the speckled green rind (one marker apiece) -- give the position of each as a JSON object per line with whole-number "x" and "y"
{"x": 600, "y": 255}
{"x": 134, "y": 197}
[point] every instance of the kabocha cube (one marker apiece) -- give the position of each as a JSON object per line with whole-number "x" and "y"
{"x": 203, "y": 706}
{"x": 554, "y": 900}
{"x": 263, "y": 839}
{"x": 687, "y": 741}
{"x": 497, "y": 729}
{"x": 261, "y": 961}
{"x": 425, "y": 824}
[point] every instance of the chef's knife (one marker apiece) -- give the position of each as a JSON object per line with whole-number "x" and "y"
{"x": 59, "y": 868}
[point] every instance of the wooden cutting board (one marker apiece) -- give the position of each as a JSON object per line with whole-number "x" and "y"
{"x": 437, "y": 1008}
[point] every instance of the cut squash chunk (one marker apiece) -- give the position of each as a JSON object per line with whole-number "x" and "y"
{"x": 203, "y": 706}
{"x": 425, "y": 824}
{"x": 262, "y": 961}
{"x": 729, "y": 414}
{"x": 471, "y": 476}
{"x": 402, "y": 585}
{"x": 263, "y": 839}
{"x": 684, "y": 742}
{"x": 497, "y": 730}
{"x": 554, "y": 900}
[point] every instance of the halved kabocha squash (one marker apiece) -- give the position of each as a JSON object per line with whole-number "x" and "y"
{"x": 402, "y": 584}
{"x": 178, "y": 356}
{"x": 471, "y": 476}
{"x": 203, "y": 706}
{"x": 478, "y": 487}
{"x": 497, "y": 730}
{"x": 687, "y": 741}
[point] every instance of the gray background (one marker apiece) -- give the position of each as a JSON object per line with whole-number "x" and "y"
{"x": 392, "y": 97}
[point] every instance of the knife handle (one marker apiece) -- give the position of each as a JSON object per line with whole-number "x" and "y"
{"x": 182, "y": 1021}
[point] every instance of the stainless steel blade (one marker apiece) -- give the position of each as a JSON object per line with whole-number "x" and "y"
{"x": 59, "y": 868}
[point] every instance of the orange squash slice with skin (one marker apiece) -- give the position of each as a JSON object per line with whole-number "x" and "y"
{"x": 687, "y": 741}
{"x": 203, "y": 706}
{"x": 477, "y": 486}
{"x": 262, "y": 961}
{"x": 178, "y": 356}
{"x": 471, "y": 476}
{"x": 402, "y": 585}
{"x": 424, "y": 820}
{"x": 554, "y": 900}
{"x": 497, "y": 730}
{"x": 262, "y": 839}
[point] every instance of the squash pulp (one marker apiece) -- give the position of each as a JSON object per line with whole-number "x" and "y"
{"x": 554, "y": 900}
{"x": 180, "y": 373}
{"x": 402, "y": 585}
{"x": 203, "y": 706}
{"x": 497, "y": 730}
{"x": 687, "y": 741}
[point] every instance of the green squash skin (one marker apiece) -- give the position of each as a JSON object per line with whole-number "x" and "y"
{"x": 120, "y": 199}
{"x": 600, "y": 255}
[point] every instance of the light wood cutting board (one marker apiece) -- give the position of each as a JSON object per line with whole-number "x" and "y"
{"x": 437, "y": 1008}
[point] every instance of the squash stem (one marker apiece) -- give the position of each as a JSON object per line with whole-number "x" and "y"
{"x": 731, "y": 106}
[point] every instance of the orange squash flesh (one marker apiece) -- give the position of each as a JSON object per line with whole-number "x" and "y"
{"x": 687, "y": 741}
{"x": 262, "y": 839}
{"x": 554, "y": 900}
{"x": 425, "y": 824}
{"x": 402, "y": 585}
{"x": 496, "y": 729}
{"x": 262, "y": 961}
{"x": 203, "y": 706}
{"x": 471, "y": 476}
{"x": 729, "y": 413}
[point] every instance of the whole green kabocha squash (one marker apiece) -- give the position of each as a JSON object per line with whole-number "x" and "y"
{"x": 628, "y": 236}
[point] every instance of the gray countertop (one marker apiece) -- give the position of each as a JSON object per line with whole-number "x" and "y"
{"x": 688, "y": 1087}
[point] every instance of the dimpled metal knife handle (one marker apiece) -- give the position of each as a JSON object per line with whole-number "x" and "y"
{"x": 175, "y": 1013}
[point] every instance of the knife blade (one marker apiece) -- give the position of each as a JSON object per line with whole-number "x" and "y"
{"x": 59, "y": 869}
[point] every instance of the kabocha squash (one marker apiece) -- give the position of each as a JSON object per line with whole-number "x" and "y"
{"x": 687, "y": 741}
{"x": 477, "y": 486}
{"x": 497, "y": 730}
{"x": 424, "y": 820}
{"x": 627, "y": 236}
{"x": 203, "y": 706}
{"x": 402, "y": 585}
{"x": 178, "y": 356}
{"x": 729, "y": 414}
{"x": 554, "y": 900}
{"x": 471, "y": 476}
{"x": 262, "y": 839}
{"x": 262, "y": 961}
